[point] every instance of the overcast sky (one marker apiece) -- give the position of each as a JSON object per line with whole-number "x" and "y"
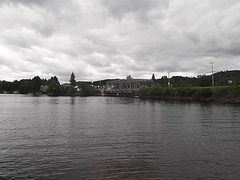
{"x": 99, "y": 39}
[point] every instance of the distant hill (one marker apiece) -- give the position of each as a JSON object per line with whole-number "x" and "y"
{"x": 225, "y": 77}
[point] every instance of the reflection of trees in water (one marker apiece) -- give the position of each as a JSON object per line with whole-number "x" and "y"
{"x": 72, "y": 100}
{"x": 121, "y": 100}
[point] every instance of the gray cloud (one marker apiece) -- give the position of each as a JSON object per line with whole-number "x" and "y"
{"x": 141, "y": 8}
{"x": 109, "y": 39}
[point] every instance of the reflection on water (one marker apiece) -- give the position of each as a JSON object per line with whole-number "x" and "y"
{"x": 117, "y": 138}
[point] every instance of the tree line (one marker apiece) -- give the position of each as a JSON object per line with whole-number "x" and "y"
{"x": 222, "y": 78}
{"x": 25, "y": 86}
{"x": 226, "y": 83}
{"x": 227, "y": 92}
{"x": 51, "y": 86}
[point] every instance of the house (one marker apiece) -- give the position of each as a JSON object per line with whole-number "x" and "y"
{"x": 77, "y": 89}
{"x": 44, "y": 88}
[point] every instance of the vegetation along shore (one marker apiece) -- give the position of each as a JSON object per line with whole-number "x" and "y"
{"x": 229, "y": 94}
{"x": 226, "y": 89}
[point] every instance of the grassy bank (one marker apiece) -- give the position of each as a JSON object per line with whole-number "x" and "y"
{"x": 228, "y": 94}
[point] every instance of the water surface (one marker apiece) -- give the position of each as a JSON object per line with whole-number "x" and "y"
{"x": 117, "y": 138}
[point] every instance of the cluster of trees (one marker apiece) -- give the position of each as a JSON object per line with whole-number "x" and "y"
{"x": 52, "y": 87}
{"x": 226, "y": 86}
{"x": 220, "y": 79}
{"x": 78, "y": 88}
{"x": 26, "y": 86}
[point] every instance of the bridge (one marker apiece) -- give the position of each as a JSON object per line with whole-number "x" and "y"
{"x": 126, "y": 87}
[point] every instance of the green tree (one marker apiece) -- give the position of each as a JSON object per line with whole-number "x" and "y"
{"x": 53, "y": 80}
{"x": 54, "y": 89}
{"x": 72, "y": 79}
{"x": 35, "y": 84}
{"x": 153, "y": 77}
{"x": 25, "y": 86}
{"x": 15, "y": 85}
{"x": 63, "y": 89}
{"x": 204, "y": 81}
{"x": 71, "y": 90}
{"x": 1, "y": 89}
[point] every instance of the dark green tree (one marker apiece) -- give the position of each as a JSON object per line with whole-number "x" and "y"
{"x": 15, "y": 85}
{"x": 71, "y": 90}
{"x": 5, "y": 86}
{"x": 53, "y": 80}
{"x": 153, "y": 77}
{"x": 1, "y": 89}
{"x": 72, "y": 79}
{"x": 35, "y": 84}
{"x": 25, "y": 86}
{"x": 204, "y": 81}
{"x": 63, "y": 89}
{"x": 54, "y": 89}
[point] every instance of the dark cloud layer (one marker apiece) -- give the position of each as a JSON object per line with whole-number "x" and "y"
{"x": 101, "y": 39}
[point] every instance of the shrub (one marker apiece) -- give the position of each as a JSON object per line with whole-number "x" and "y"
{"x": 204, "y": 92}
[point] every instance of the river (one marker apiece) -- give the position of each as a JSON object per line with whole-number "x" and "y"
{"x": 117, "y": 138}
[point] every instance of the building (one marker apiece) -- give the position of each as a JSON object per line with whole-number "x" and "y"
{"x": 44, "y": 88}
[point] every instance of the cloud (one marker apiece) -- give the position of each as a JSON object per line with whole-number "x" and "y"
{"x": 142, "y": 9}
{"x": 109, "y": 39}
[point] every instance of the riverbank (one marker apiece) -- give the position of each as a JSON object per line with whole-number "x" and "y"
{"x": 218, "y": 94}
{"x": 206, "y": 94}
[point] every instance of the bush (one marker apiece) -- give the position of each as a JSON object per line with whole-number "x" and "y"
{"x": 235, "y": 92}
{"x": 204, "y": 92}
{"x": 221, "y": 92}
{"x": 54, "y": 89}
{"x": 232, "y": 92}
{"x": 170, "y": 92}
{"x": 144, "y": 91}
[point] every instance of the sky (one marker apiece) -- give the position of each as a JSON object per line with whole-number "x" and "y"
{"x": 102, "y": 39}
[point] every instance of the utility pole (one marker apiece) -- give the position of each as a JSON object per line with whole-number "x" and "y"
{"x": 212, "y": 76}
